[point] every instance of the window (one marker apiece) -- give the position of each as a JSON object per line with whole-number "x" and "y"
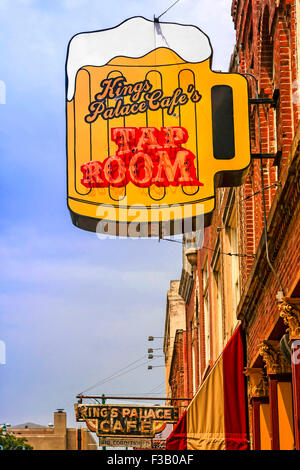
{"x": 221, "y": 192}
{"x": 206, "y": 313}
{"x": 232, "y": 234}
{"x": 218, "y": 303}
{"x": 198, "y": 326}
{"x": 194, "y": 366}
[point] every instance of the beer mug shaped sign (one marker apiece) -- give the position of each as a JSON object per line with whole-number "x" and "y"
{"x": 152, "y": 131}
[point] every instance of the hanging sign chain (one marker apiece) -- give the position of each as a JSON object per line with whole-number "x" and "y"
{"x": 156, "y": 19}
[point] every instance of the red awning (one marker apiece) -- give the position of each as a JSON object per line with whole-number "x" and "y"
{"x": 216, "y": 417}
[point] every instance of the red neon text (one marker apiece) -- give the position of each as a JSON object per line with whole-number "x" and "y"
{"x": 145, "y": 156}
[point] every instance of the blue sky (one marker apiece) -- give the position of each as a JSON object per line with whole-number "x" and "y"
{"x": 73, "y": 309}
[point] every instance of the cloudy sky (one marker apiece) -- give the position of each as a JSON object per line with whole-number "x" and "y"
{"x": 73, "y": 309}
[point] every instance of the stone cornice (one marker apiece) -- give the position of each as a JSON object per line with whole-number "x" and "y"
{"x": 289, "y": 310}
{"x": 186, "y": 286}
{"x": 257, "y": 382}
{"x": 273, "y": 358}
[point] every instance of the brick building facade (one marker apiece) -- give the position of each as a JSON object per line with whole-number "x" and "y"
{"x": 230, "y": 281}
{"x": 175, "y": 347}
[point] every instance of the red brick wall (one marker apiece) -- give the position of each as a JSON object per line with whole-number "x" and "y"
{"x": 268, "y": 50}
{"x": 265, "y": 47}
{"x": 178, "y": 378}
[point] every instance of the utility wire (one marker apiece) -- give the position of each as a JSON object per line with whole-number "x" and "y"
{"x": 121, "y": 374}
{"x": 112, "y": 376}
{"x": 124, "y": 373}
{"x": 147, "y": 393}
{"x": 156, "y": 388}
{"x": 242, "y": 255}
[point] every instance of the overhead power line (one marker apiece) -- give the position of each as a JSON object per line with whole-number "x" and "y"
{"x": 158, "y": 387}
{"x": 153, "y": 390}
{"x": 242, "y": 255}
{"x": 115, "y": 375}
{"x": 124, "y": 373}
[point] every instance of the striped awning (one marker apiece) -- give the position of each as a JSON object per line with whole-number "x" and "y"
{"x": 216, "y": 417}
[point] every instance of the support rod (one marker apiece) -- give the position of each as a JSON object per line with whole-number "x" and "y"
{"x": 94, "y": 397}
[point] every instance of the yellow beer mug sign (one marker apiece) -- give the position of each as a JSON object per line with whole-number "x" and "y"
{"x": 151, "y": 129}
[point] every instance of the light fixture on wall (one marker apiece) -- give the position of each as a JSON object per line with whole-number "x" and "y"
{"x": 191, "y": 256}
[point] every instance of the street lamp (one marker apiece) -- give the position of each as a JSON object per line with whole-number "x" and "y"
{"x": 152, "y": 338}
{"x": 191, "y": 255}
{"x": 4, "y": 428}
{"x": 151, "y": 356}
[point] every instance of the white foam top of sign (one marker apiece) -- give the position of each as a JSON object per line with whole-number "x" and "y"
{"x": 134, "y": 38}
